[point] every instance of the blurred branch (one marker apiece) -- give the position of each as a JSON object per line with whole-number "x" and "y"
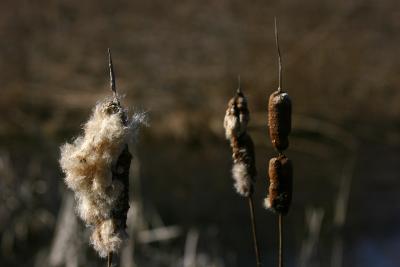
{"x": 159, "y": 234}
{"x": 65, "y": 247}
{"x": 314, "y": 217}
{"x": 340, "y": 212}
{"x": 190, "y": 256}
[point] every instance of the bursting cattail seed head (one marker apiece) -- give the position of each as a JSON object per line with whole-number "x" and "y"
{"x": 279, "y": 119}
{"x": 236, "y": 119}
{"x": 281, "y": 182}
{"x": 243, "y": 169}
{"x": 92, "y": 165}
{"x": 237, "y": 116}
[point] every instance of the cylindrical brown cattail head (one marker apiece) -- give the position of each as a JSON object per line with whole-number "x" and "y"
{"x": 281, "y": 182}
{"x": 279, "y": 119}
{"x": 237, "y": 116}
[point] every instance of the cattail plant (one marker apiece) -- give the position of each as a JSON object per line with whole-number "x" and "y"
{"x": 280, "y": 167}
{"x": 237, "y": 117}
{"x": 96, "y": 166}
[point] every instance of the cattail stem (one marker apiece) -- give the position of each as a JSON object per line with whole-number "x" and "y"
{"x": 109, "y": 259}
{"x": 280, "y": 226}
{"x": 254, "y": 230}
{"x": 113, "y": 84}
{"x": 279, "y": 57}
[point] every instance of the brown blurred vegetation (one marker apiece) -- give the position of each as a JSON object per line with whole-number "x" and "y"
{"x": 180, "y": 61}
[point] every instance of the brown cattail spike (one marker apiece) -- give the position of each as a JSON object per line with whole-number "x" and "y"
{"x": 279, "y": 119}
{"x": 280, "y": 188}
{"x": 279, "y": 110}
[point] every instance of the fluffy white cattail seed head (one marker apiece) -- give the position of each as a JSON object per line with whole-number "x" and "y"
{"x": 90, "y": 165}
{"x": 106, "y": 238}
{"x": 236, "y": 119}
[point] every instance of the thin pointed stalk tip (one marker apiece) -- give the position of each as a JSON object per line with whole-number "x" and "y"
{"x": 239, "y": 89}
{"x": 112, "y": 74}
{"x": 279, "y": 56}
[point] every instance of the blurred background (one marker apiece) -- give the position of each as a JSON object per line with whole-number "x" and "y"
{"x": 180, "y": 62}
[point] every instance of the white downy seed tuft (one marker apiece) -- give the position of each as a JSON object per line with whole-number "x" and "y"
{"x": 243, "y": 180}
{"x": 88, "y": 164}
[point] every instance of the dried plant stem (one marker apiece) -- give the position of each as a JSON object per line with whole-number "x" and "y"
{"x": 254, "y": 230}
{"x": 114, "y": 90}
{"x": 112, "y": 75}
{"x": 279, "y": 57}
{"x": 109, "y": 259}
{"x": 280, "y": 226}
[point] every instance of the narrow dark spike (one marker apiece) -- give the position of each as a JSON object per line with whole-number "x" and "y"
{"x": 279, "y": 57}
{"x": 112, "y": 75}
{"x": 239, "y": 90}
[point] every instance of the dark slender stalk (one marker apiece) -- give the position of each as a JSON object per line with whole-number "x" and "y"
{"x": 113, "y": 83}
{"x": 109, "y": 259}
{"x": 279, "y": 57}
{"x": 254, "y": 229}
{"x": 280, "y": 226}
{"x": 239, "y": 90}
